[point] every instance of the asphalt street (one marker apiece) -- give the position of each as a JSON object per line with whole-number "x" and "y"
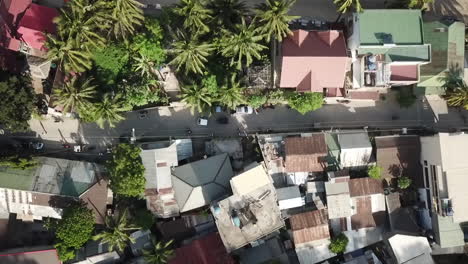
{"x": 176, "y": 121}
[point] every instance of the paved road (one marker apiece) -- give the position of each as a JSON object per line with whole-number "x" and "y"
{"x": 164, "y": 122}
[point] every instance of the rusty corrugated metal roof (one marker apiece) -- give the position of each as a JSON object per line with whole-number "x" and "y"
{"x": 364, "y": 186}
{"x": 305, "y": 154}
{"x": 310, "y": 226}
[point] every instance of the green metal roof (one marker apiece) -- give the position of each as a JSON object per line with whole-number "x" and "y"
{"x": 447, "y": 44}
{"x": 400, "y": 53}
{"x": 52, "y": 176}
{"x": 398, "y": 26}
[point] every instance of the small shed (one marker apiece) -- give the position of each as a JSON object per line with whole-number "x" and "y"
{"x": 289, "y": 197}
{"x": 356, "y": 149}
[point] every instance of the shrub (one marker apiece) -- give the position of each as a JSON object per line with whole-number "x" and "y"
{"x": 305, "y": 102}
{"x": 375, "y": 172}
{"x": 338, "y": 244}
{"x": 404, "y": 182}
{"x": 256, "y": 100}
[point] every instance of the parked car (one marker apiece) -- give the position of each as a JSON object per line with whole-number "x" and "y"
{"x": 202, "y": 121}
{"x": 245, "y": 109}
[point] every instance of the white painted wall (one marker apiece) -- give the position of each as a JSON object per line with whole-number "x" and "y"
{"x": 355, "y": 157}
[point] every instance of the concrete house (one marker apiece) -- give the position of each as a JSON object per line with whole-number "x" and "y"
{"x": 361, "y": 218}
{"x": 23, "y": 26}
{"x": 48, "y": 188}
{"x": 387, "y": 47}
{"x": 315, "y": 61}
{"x": 445, "y": 167}
{"x": 410, "y": 249}
{"x": 303, "y": 156}
{"x": 311, "y": 236}
{"x": 199, "y": 183}
{"x": 355, "y": 149}
{"x": 252, "y": 211}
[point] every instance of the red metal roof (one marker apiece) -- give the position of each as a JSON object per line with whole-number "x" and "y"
{"x": 314, "y": 60}
{"x": 404, "y": 72}
{"x": 207, "y": 250}
{"x": 36, "y": 21}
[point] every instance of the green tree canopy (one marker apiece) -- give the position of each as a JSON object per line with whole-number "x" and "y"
{"x": 126, "y": 171}
{"x": 338, "y": 244}
{"x": 110, "y": 61}
{"x": 305, "y": 102}
{"x": 160, "y": 253}
{"x": 73, "y": 230}
{"x": 345, "y": 5}
{"x": 75, "y": 94}
{"x": 116, "y": 235}
{"x": 18, "y": 162}
{"x": 375, "y": 172}
{"x": 69, "y": 57}
{"x": 196, "y": 16}
{"x": 197, "y": 97}
{"x": 273, "y": 18}
{"x": 190, "y": 55}
{"x": 404, "y": 182}
{"x": 126, "y": 16}
{"x": 227, "y": 13}
{"x": 231, "y": 94}
{"x": 17, "y": 102}
{"x": 242, "y": 44}
{"x": 109, "y": 110}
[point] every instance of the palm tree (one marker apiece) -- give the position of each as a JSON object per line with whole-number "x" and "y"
{"x": 126, "y": 15}
{"x": 75, "y": 94}
{"x": 190, "y": 54}
{"x": 159, "y": 254}
{"x": 196, "y": 16}
{"x": 419, "y": 4}
{"x": 116, "y": 235}
{"x": 227, "y": 13}
{"x": 109, "y": 110}
{"x": 242, "y": 44}
{"x": 458, "y": 97}
{"x": 345, "y": 5}
{"x": 231, "y": 95}
{"x": 79, "y": 22}
{"x": 197, "y": 97}
{"x": 69, "y": 57}
{"x": 144, "y": 65}
{"x": 274, "y": 19}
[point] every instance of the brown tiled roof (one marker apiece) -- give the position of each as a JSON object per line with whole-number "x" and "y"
{"x": 310, "y": 226}
{"x": 400, "y": 155}
{"x": 305, "y": 154}
{"x": 364, "y": 186}
{"x": 96, "y": 199}
{"x": 364, "y": 217}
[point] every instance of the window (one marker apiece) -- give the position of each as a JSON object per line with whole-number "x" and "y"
{"x": 426, "y": 177}
{"x": 425, "y": 163}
